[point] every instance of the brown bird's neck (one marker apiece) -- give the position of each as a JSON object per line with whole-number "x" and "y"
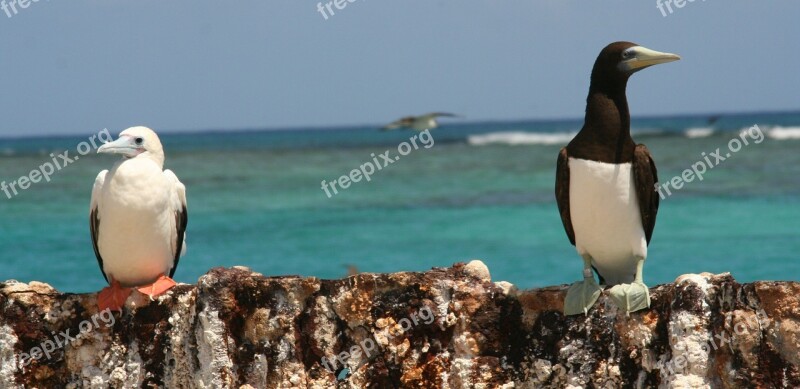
{"x": 606, "y": 132}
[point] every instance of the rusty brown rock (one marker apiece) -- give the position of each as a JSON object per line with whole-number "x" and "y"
{"x": 445, "y": 328}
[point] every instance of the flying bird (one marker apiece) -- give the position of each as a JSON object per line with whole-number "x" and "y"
{"x": 418, "y": 123}
{"x": 605, "y": 186}
{"x": 137, "y": 218}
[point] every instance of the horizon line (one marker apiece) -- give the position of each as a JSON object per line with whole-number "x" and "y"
{"x": 184, "y": 131}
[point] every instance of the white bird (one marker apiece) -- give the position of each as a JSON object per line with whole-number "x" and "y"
{"x": 137, "y": 218}
{"x": 418, "y": 123}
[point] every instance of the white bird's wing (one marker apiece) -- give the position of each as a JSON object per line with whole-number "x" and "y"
{"x": 400, "y": 123}
{"x": 181, "y": 217}
{"x": 94, "y": 216}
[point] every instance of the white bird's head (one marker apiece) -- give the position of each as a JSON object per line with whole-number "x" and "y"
{"x": 136, "y": 142}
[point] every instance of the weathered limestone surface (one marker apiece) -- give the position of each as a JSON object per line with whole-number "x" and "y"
{"x": 445, "y": 328}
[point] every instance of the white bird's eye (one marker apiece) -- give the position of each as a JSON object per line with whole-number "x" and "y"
{"x": 139, "y": 141}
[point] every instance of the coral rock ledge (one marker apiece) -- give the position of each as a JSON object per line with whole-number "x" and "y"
{"x": 445, "y": 328}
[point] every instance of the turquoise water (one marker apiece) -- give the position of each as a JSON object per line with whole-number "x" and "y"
{"x": 483, "y": 190}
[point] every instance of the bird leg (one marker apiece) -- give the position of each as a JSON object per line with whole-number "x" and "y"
{"x": 583, "y": 294}
{"x": 157, "y": 288}
{"x": 113, "y": 297}
{"x": 634, "y": 296}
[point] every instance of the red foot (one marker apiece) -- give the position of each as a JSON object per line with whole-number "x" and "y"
{"x": 112, "y": 297}
{"x": 161, "y": 286}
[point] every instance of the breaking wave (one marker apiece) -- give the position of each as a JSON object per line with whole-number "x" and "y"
{"x": 699, "y": 132}
{"x": 521, "y": 138}
{"x": 784, "y": 133}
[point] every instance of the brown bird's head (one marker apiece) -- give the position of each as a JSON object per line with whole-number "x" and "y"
{"x": 619, "y": 60}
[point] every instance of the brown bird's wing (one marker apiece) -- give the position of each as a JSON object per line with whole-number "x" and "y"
{"x": 645, "y": 178}
{"x": 562, "y": 193}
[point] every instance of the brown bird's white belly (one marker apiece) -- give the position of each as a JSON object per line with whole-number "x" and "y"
{"x": 606, "y": 219}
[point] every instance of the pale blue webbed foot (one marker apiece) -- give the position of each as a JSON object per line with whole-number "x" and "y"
{"x": 634, "y": 296}
{"x": 631, "y": 297}
{"x": 583, "y": 294}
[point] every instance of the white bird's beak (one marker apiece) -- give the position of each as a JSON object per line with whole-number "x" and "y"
{"x": 125, "y": 145}
{"x": 642, "y": 57}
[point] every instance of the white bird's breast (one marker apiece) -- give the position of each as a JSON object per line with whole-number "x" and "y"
{"x": 605, "y": 217}
{"x": 137, "y": 223}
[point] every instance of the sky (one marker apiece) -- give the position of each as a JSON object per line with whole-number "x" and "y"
{"x": 77, "y": 66}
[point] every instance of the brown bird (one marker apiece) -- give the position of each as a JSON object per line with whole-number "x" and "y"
{"x": 605, "y": 186}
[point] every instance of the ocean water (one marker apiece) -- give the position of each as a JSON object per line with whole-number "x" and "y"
{"x": 481, "y": 190}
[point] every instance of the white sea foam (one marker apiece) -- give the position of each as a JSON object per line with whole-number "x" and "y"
{"x": 562, "y": 138}
{"x": 521, "y": 138}
{"x": 784, "y": 133}
{"x": 699, "y": 132}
